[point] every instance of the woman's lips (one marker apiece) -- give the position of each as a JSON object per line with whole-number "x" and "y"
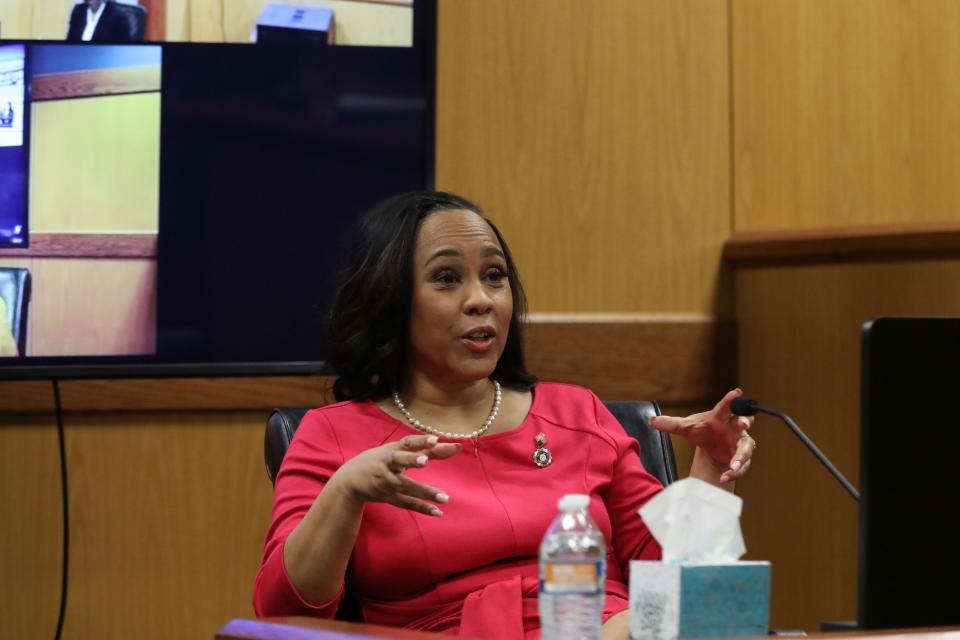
{"x": 478, "y": 345}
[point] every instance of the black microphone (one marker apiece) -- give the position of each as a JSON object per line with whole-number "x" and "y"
{"x": 743, "y": 406}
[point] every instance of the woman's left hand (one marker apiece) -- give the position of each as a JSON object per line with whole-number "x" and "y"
{"x": 718, "y": 433}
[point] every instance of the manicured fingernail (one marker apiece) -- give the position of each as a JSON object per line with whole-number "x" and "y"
{"x": 421, "y": 461}
{"x": 435, "y": 512}
{"x": 433, "y": 440}
{"x": 735, "y": 465}
{"x": 442, "y": 497}
{"x": 724, "y": 478}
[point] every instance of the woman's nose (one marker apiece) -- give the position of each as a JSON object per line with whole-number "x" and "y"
{"x": 478, "y": 300}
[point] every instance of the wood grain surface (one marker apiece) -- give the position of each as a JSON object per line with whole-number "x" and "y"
{"x": 30, "y": 525}
{"x": 96, "y": 82}
{"x": 596, "y": 135}
{"x": 670, "y": 359}
{"x": 170, "y": 513}
{"x": 845, "y": 112}
{"x": 870, "y": 243}
{"x": 800, "y": 353}
{"x": 87, "y": 245}
{"x": 103, "y": 306}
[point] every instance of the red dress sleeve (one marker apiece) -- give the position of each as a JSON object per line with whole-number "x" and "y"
{"x": 313, "y": 456}
{"x": 629, "y": 489}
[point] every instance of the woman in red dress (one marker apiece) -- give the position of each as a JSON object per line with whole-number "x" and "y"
{"x": 419, "y": 491}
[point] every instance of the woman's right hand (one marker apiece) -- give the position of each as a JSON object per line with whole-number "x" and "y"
{"x": 377, "y": 475}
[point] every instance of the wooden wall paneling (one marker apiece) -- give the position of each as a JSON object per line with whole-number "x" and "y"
{"x": 89, "y": 306}
{"x": 596, "y": 135}
{"x": 207, "y": 21}
{"x": 16, "y": 19}
{"x": 51, "y": 19}
{"x": 168, "y": 516}
{"x": 845, "y": 112}
{"x": 30, "y": 525}
{"x": 40, "y": 19}
{"x": 177, "y": 21}
{"x": 98, "y": 306}
{"x": 95, "y": 164}
{"x": 674, "y": 360}
{"x": 800, "y": 352}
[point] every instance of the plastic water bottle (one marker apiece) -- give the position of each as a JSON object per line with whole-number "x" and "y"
{"x": 573, "y": 571}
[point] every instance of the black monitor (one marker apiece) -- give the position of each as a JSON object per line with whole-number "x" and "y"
{"x": 187, "y": 205}
{"x": 910, "y": 440}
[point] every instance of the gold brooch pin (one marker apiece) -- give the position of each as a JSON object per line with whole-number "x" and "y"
{"x": 542, "y": 456}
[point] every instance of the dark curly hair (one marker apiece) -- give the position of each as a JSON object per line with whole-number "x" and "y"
{"x": 369, "y": 324}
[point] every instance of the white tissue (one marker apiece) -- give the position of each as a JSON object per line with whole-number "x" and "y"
{"x": 696, "y": 522}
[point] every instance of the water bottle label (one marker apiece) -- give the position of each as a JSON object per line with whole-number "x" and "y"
{"x": 585, "y": 578}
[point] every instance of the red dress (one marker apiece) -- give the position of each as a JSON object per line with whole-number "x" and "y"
{"x": 473, "y": 570}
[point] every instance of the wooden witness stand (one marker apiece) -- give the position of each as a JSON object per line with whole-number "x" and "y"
{"x": 319, "y": 629}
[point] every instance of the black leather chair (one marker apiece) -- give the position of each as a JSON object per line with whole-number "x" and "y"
{"x": 656, "y": 451}
{"x": 15, "y": 291}
{"x": 136, "y": 17}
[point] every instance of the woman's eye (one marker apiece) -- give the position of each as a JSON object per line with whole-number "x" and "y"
{"x": 445, "y": 276}
{"x": 496, "y": 275}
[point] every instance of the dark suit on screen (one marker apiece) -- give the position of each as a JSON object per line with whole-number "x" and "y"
{"x": 114, "y": 25}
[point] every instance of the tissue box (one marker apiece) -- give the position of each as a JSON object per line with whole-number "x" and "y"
{"x": 681, "y": 600}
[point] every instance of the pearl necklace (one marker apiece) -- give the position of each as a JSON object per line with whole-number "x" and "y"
{"x": 432, "y": 430}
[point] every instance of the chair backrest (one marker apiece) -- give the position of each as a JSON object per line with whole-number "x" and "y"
{"x": 136, "y": 18}
{"x": 15, "y": 291}
{"x": 656, "y": 451}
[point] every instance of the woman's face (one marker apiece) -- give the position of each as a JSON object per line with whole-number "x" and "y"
{"x": 462, "y": 304}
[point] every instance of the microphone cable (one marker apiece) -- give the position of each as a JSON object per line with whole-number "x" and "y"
{"x": 66, "y": 509}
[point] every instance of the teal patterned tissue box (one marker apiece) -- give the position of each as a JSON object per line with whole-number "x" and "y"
{"x": 681, "y": 600}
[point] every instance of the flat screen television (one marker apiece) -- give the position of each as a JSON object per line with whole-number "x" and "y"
{"x": 910, "y": 435}
{"x": 187, "y": 204}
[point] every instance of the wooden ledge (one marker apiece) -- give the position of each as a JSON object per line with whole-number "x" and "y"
{"x": 259, "y": 393}
{"x": 95, "y": 82}
{"x": 87, "y": 245}
{"x": 674, "y": 359}
{"x": 878, "y": 243}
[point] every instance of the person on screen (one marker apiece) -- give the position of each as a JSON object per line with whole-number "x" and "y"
{"x": 6, "y": 115}
{"x": 438, "y": 527}
{"x": 8, "y": 346}
{"x": 99, "y": 21}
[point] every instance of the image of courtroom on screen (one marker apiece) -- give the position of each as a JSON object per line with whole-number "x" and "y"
{"x": 385, "y": 23}
{"x": 13, "y": 155}
{"x": 80, "y": 210}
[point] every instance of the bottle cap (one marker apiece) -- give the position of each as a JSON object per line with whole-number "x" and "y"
{"x": 573, "y": 502}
